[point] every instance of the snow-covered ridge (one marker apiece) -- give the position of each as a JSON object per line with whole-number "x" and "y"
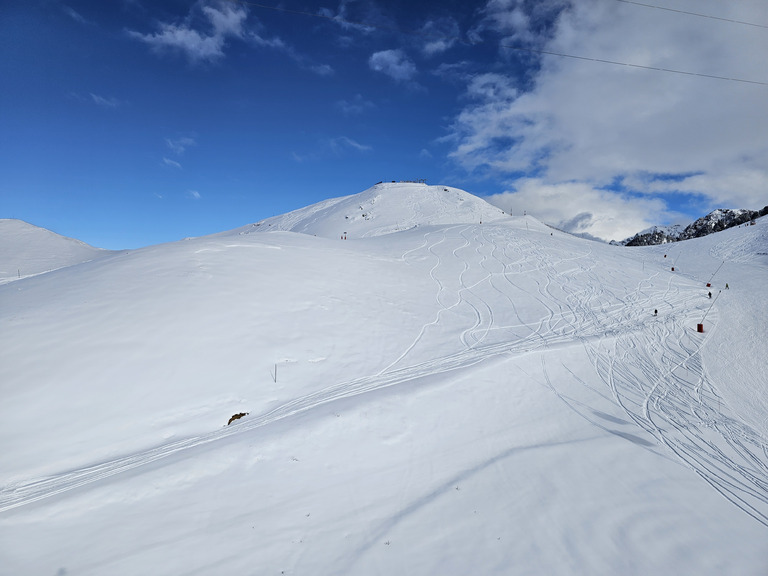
{"x": 382, "y": 209}
{"x": 28, "y": 250}
{"x": 715, "y": 221}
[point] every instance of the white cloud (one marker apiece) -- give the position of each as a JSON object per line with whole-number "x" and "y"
{"x": 341, "y": 144}
{"x": 180, "y": 145}
{"x": 224, "y": 21}
{"x": 393, "y": 63}
{"x": 582, "y": 126}
{"x": 733, "y": 185}
{"x": 204, "y": 34}
{"x": 171, "y": 163}
{"x": 104, "y": 102}
{"x": 75, "y": 15}
{"x": 194, "y": 194}
{"x": 361, "y": 21}
{"x": 580, "y": 208}
{"x": 227, "y": 20}
{"x": 440, "y": 35}
{"x": 519, "y": 22}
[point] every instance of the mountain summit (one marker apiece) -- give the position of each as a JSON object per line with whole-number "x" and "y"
{"x": 382, "y": 209}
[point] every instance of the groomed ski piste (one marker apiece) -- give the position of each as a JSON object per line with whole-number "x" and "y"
{"x": 431, "y": 386}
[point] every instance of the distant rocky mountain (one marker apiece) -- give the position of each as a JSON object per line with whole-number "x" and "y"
{"x": 715, "y": 221}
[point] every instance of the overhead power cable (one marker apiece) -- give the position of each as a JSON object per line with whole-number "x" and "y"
{"x": 693, "y": 14}
{"x": 641, "y": 66}
{"x": 509, "y": 46}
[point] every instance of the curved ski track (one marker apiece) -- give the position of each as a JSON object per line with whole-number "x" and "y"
{"x": 655, "y": 375}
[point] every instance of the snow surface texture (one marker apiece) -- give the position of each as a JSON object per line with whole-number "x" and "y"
{"x": 432, "y": 395}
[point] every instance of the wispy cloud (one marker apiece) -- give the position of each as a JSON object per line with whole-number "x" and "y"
{"x": 458, "y": 72}
{"x": 519, "y": 22}
{"x": 204, "y": 34}
{"x": 343, "y": 143}
{"x": 104, "y": 102}
{"x": 223, "y": 21}
{"x": 352, "y": 16}
{"x": 338, "y": 147}
{"x": 355, "y": 106}
{"x": 439, "y": 35}
{"x": 393, "y": 63}
{"x": 171, "y": 163}
{"x": 75, "y": 15}
{"x": 193, "y": 194}
{"x": 180, "y": 145}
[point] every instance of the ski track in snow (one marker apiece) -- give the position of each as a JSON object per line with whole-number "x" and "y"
{"x": 681, "y": 407}
{"x": 655, "y": 375}
{"x": 683, "y": 411}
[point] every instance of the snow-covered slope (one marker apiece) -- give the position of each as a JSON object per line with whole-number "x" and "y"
{"x": 452, "y": 398}
{"x": 26, "y": 250}
{"x": 382, "y": 209}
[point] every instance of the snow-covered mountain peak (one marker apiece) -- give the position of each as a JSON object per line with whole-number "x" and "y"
{"x": 382, "y": 209}
{"x": 715, "y": 221}
{"x": 672, "y": 231}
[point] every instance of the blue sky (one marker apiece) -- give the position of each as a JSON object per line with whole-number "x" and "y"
{"x": 126, "y": 123}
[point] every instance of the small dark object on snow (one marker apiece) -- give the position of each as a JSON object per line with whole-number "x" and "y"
{"x": 655, "y": 312}
{"x": 709, "y": 294}
{"x": 237, "y": 417}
